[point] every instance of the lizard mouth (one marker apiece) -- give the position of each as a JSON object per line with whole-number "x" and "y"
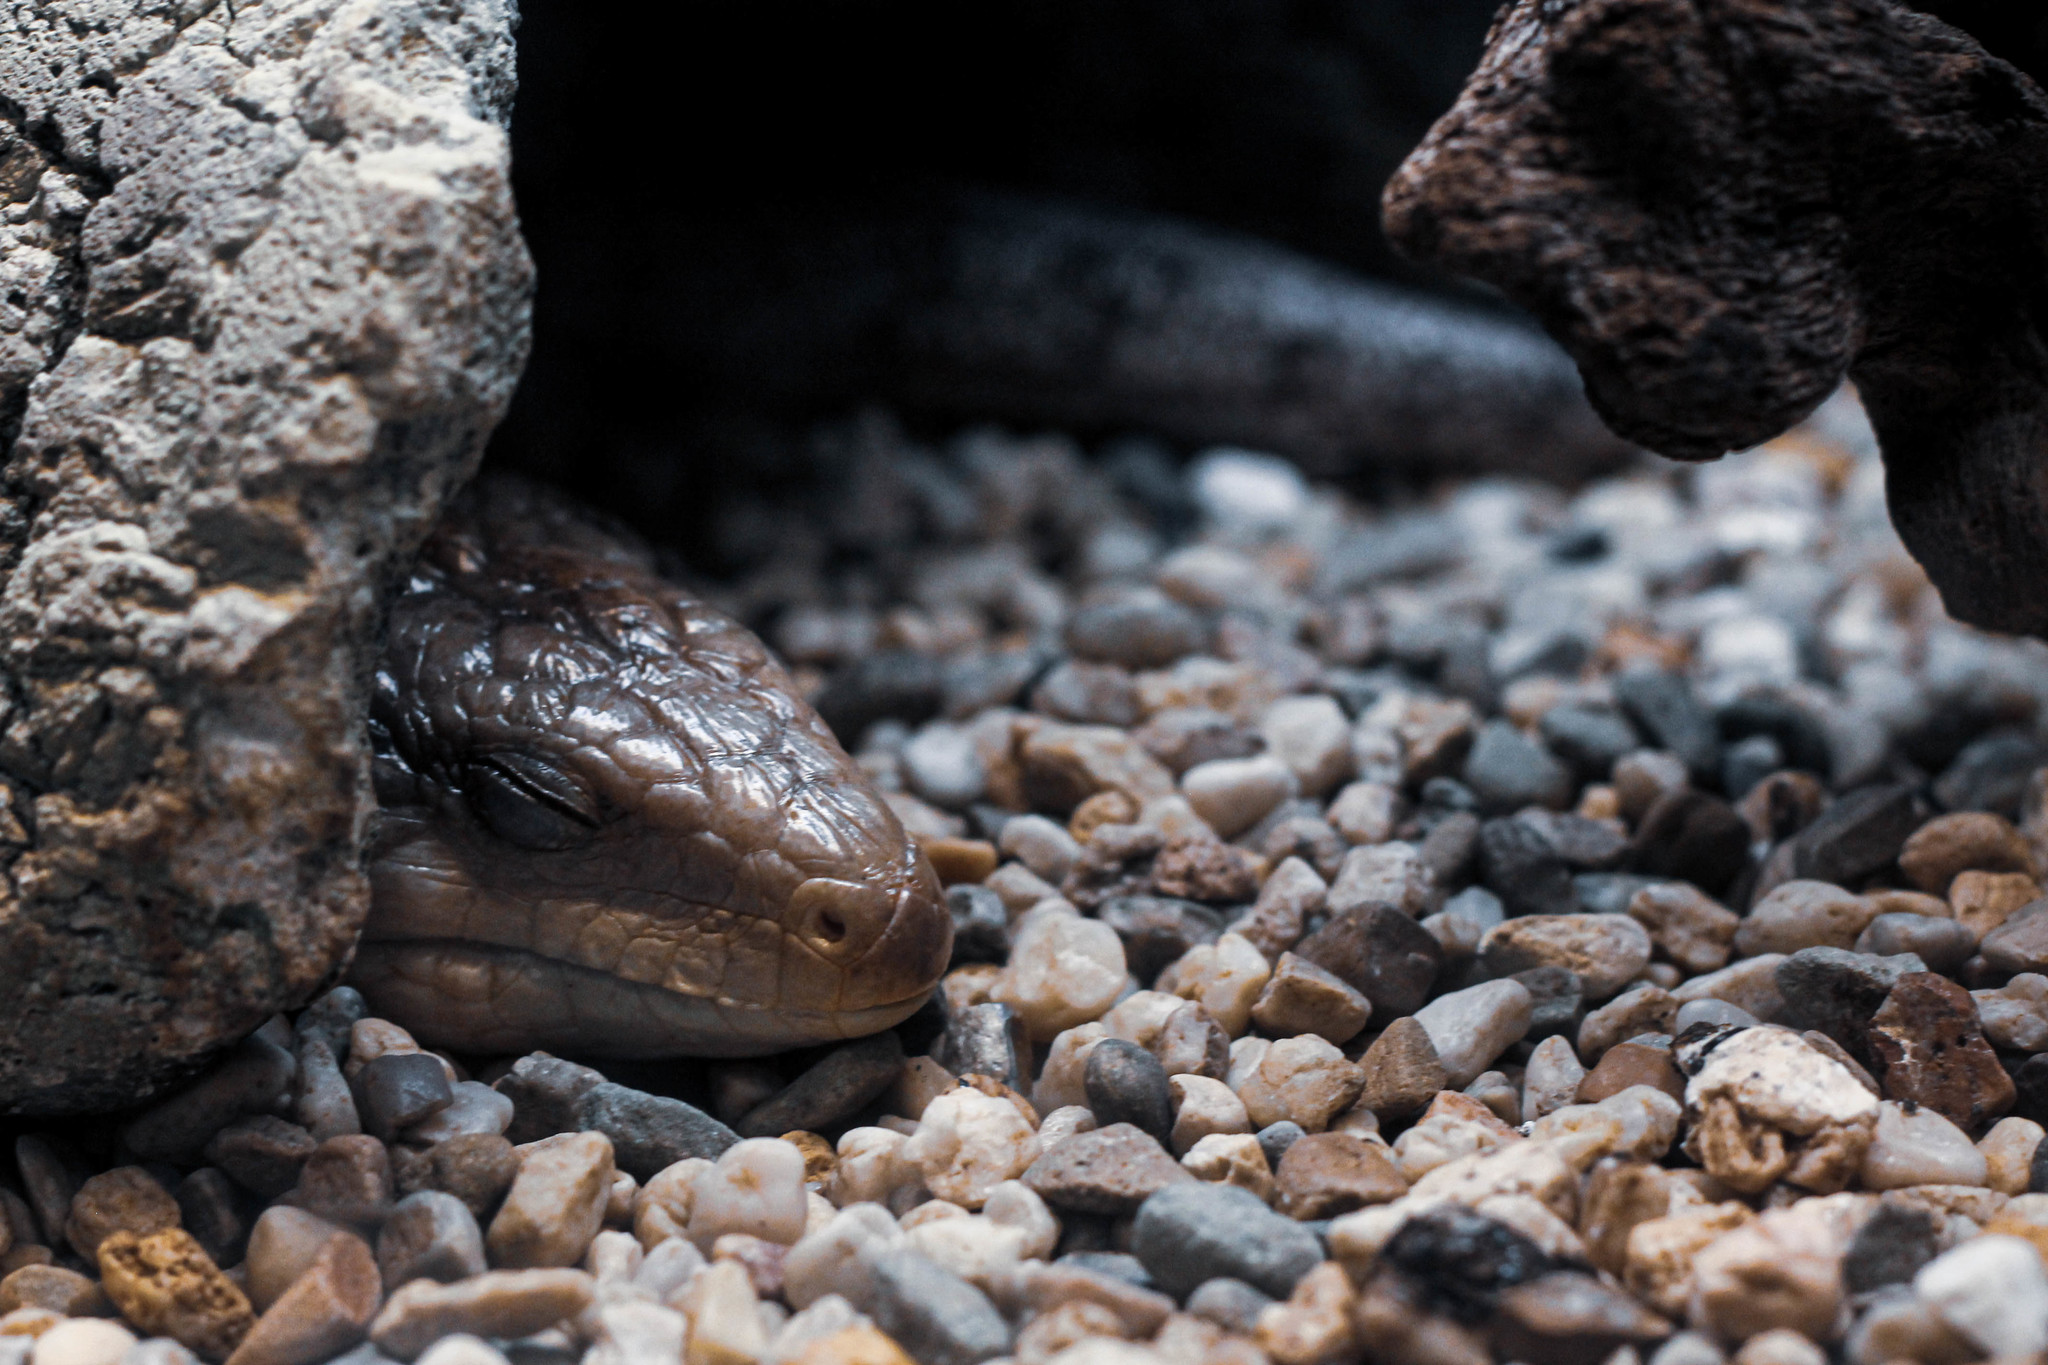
{"x": 477, "y": 997}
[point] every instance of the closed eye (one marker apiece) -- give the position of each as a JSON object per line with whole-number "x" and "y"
{"x": 531, "y": 802}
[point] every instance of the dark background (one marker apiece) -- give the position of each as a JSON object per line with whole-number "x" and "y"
{"x": 642, "y": 151}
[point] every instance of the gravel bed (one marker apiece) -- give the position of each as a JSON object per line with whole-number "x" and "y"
{"x": 1487, "y": 923}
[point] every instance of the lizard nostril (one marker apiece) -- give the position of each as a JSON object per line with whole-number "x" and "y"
{"x": 831, "y": 928}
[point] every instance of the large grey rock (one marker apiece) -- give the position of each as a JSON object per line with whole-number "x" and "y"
{"x": 264, "y": 298}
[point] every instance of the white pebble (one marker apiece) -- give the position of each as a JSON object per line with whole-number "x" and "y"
{"x": 943, "y": 766}
{"x": 1202, "y": 1106}
{"x": 1041, "y": 845}
{"x": 1311, "y": 736}
{"x": 1470, "y": 1028}
{"x": 462, "y": 1349}
{"x": 1063, "y": 971}
{"x": 832, "y": 1261}
{"x": 757, "y": 1187}
{"x": 1919, "y": 1148}
{"x": 83, "y": 1341}
{"x": 1226, "y": 977}
{"x": 1365, "y": 812}
{"x": 1233, "y": 794}
{"x": 871, "y": 1165}
{"x": 1245, "y": 491}
{"x": 476, "y": 1108}
{"x": 1993, "y": 1291}
{"x": 968, "y": 1143}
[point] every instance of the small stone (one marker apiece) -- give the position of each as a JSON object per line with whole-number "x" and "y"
{"x": 1663, "y": 707}
{"x": 1276, "y": 1138}
{"x": 1766, "y": 1104}
{"x": 1604, "y": 951}
{"x": 1192, "y": 1043}
{"x": 1202, "y": 1106}
{"x": 1551, "y": 1080}
{"x": 1891, "y": 1246}
{"x": 475, "y": 1110}
{"x": 1991, "y": 772}
{"x": 82, "y": 1341}
{"x": 1225, "y": 978}
{"x": 1463, "y": 1258}
{"x": 646, "y": 1133}
{"x": 967, "y": 1143}
{"x": 556, "y": 1203}
{"x": 2009, "y": 1150}
{"x": 282, "y": 1244}
{"x": 1231, "y": 1304}
{"x": 1109, "y": 1171}
{"x": 1836, "y": 992}
{"x": 1139, "y": 629}
{"x": 1192, "y": 1233}
{"x": 1570, "y": 1318}
{"x": 1631, "y": 1064}
{"x": 983, "y": 1040}
{"x": 1692, "y": 837}
{"x": 1233, "y": 794}
{"x": 126, "y": 1197}
{"x": 1126, "y": 1084}
{"x": 1803, "y": 914}
{"x": 1508, "y": 770}
{"x": 1646, "y": 1009}
{"x": 430, "y": 1235}
{"x": 1455, "y": 1125}
{"x": 1779, "y": 1271}
{"x": 211, "y": 1209}
{"x": 397, "y": 1090}
{"x": 329, "y": 1019}
{"x": 251, "y": 1078}
{"x": 981, "y": 925}
{"x": 937, "y": 1317}
{"x": 1450, "y": 850}
{"x": 1993, "y": 1291}
{"x": 2021, "y": 943}
{"x": 1390, "y": 874}
{"x": 1304, "y": 998}
{"x": 1751, "y": 986}
{"x": 1688, "y": 926}
{"x": 1472, "y": 1027}
{"x": 1592, "y": 739}
{"x": 545, "y": 1092}
{"x": 1981, "y": 901}
{"x": 837, "y": 1086}
{"x": 1779, "y": 1346}
{"x": 52, "y": 1287}
{"x": 321, "y": 1100}
{"x": 501, "y": 1304}
{"x": 1926, "y": 1037}
{"x": 1325, "y": 1174}
{"x": 1943, "y": 944}
{"x": 1710, "y": 1011}
{"x": 1312, "y": 737}
{"x": 477, "y": 1168}
{"x": 1401, "y": 1072}
{"x": 1518, "y": 863}
{"x": 1380, "y": 952}
{"x": 326, "y": 1310}
{"x": 1920, "y": 1148}
{"x": 1157, "y": 930}
{"x": 2016, "y": 1016}
{"x": 1304, "y": 1079}
{"x": 1643, "y": 777}
{"x": 347, "y": 1180}
{"x": 166, "y": 1285}
{"x": 1063, "y": 971}
{"x": 264, "y": 1154}
{"x": 1966, "y": 841}
{"x": 1857, "y": 837}
{"x": 1233, "y": 1159}
{"x": 755, "y": 1188}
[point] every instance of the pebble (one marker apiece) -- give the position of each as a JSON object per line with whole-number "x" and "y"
{"x": 1757, "y": 1089}
{"x": 1063, "y": 971}
{"x": 1518, "y": 863}
{"x": 52, "y": 1287}
{"x": 429, "y": 1235}
{"x": 981, "y": 925}
{"x": 1626, "y": 1065}
{"x": 1392, "y": 874}
{"x": 347, "y": 1180}
{"x": 1920, "y": 1148}
{"x": 1233, "y": 1159}
{"x": 263, "y": 1154}
{"x": 1991, "y": 1290}
{"x": 1225, "y": 978}
{"x": 556, "y": 1203}
{"x": 397, "y": 1090}
{"x": 967, "y": 1143}
{"x": 1568, "y": 1318}
{"x": 983, "y": 1040}
{"x": 1551, "y": 1079}
{"x": 325, "y": 1311}
{"x": 2021, "y": 943}
{"x": 1126, "y": 1084}
{"x": 251, "y": 1078}
{"x": 1943, "y": 944}
{"x": 1508, "y": 770}
{"x": 500, "y": 1304}
{"x": 1646, "y": 1009}
{"x": 331, "y": 1018}
{"x": 83, "y": 1341}
{"x": 1401, "y": 1072}
{"x": 937, "y": 1317}
{"x": 1303, "y": 1079}
{"x": 1231, "y": 1304}
{"x": 125, "y": 1198}
{"x": 1751, "y": 986}
{"x": 646, "y": 1133}
{"x": 1380, "y": 952}
{"x": 1890, "y": 1247}
{"x": 1110, "y": 1170}
{"x": 321, "y": 1101}
{"x": 1304, "y": 998}
{"x": 1836, "y": 992}
{"x": 1982, "y": 901}
{"x": 1605, "y": 952}
{"x": 1591, "y": 738}
{"x": 1326, "y": 1174}
{"x": 1201, "y": 1106}
{"x": 2009, "y": 1150}
{"x": 1472, "y": 1027}
{"x": 477, "y": 1168}
{"x": 1233, "y": 794}
{"x": 1688, "y": 926}
{"x": 1693, "y": 837}
{"x": 1933, "y": 1053}
{"x": 1189, "y": 1234}
{"x": 282, "y": 1244}
{"x": 1857, "y": 837}
{"x": 166, "y": 1285}
{"x": 1663, "y": 707}
{"x": 1159, "y": 930}
{"x": 1779, "y": 1271}
{"x": 1803, "y": 914}
{"x": 545, "y": 1092}
{"x": 1965, "y": 841}
{"x": 836, "y": 1086}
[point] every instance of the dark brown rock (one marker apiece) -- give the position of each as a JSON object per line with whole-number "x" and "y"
{"x": 1198, "y": 869}
{"x": 1723, "y": 207}
{"x": 1110, "y": 1170}
{"x": 1381, "y": 953}
{"x": 347, "y": 1180}
{"x": 476, "y": 1168}
{"x": 1302, "y": 998}
{"x": 1402, "y": 1072}
{"x": 249, "y": 1080}
{"x": 1126, "y": 1084}
{"x": 1627, "y": 1064}
{"x": 1932, "y": 1052}
{"x": 125, "y": 1197}
{"x": 1325, "y": 1174}
{"x": 214, "y": 1211}
{"x": 399, "y": 1089}
{"x": 188, "y": 653}
{"x": 545, "y": 1091}
{"x": 263, "y": 1153}
{"x": 1568, "y": 1318}
{"x": 1692, "y": 837}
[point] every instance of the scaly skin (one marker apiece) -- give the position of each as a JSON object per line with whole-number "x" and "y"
{"x": 607, "y": 824}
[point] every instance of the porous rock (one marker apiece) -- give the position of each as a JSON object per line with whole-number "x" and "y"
{"x": 277, "y": 289}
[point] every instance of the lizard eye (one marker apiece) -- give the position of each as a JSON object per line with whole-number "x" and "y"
{"x": 529, "y": 801}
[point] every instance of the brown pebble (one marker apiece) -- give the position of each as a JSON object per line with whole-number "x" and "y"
{"x": 1301, "y": 997}
{"x": 47, "y": 1181}
{"x": 1196, "y": 868}
{"x": 1619, "y": 1195}
{"x": 283, "y": 1243}
{"x": 1981, "y": 901}
{"x": 1192, "y": 1043}
{"x": 211, "y": 1208}
{"x": 1932, "y": 1050}
{"x": 167, "y": 1285}
{"x": 556, "y": 1204}
{"x": 504, "y": 1304}
{"x": 26, "y": 1253}
{"x": 263, "y": 1153}
{"x": 820, "y": 1157}
{"x": 53, "y": 1287}
{"x": 1568, "y": 1318}
{"x": 921, "y": 1081}
{"x": 476, "y": 1168}
{"x": 959, "y": 861}
{"x": 1966, "y": 840}
{"x": 347, "y": 1180}
{"x": 1110, "y": 1170}
{"x": 126, "y": 1197}
{"x": 1402, "y": 1072}
{"x": 326, "y": 1311}
{"x": 1627, "y": 1064}
{"x": 430, "y": 1235}
{"x": 1325, "y": 1174}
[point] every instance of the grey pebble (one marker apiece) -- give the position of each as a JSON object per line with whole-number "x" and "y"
{"x": 1139, "y": 629}
{"x": 937, "y": 1317}
{"x": 1857, "y": 837}
{"x": 1711, "y": 1011}
{"x": 1835, "y": 992}
{"x": 330, "y": 1018}
{"x": 1127, "y": 1084}
{"x": 49, "y": 1181}
{"x": 1119, "y": 1265}
{"x": 837, "y": 1086}
{"x": 1991, "y": 773}
{"x": 251, "y": 1079}
{"x": 262, "y": 1153}
{"x": 1231, "y": 1304}
{"x": 1521, "y": 866}
{"x": 1608, "y": 893}
{"x": 1589, "y": 738}
{"x": 987, "y": 1040}
{"x": 397, "y": 1090}
{"x": 215, "y": 1212}
{"x": 1381, "y": 953}
{"x": 1663, "y": 706}
{"x": 1276, "y": 1138}
{"x": 544, "y": 1091}
{"x": 429, "y": 1235}
{"x": 981, "y": 925}
{"x": 1157, "y": 930}
{"x": 1943, "y": 944}
{"x": 1559, "y": 1001}
{"x": 649, "y": 1132}
{"x": 1890, "y": 1247}
{"x": 1189, "y": 1234}
{"x": 321, "y": 1099}
{"x": 1508, "y": 770}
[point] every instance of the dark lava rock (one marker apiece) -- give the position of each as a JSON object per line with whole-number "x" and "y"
{"x": 934, "y": 1315}
{"x": 1518, "y": 863}
{"x": 1126, "y": 1084}
{"x": 1109, "y": 1170}
{"x": 650, "y": 1132}
{"x": 1508, "y": 770}
{"x": 1381, "y": 953}
{"x": 1663, "y": 706}
{"x": 987, "y": 1040}
{"x": 1693, "y": 837}
{"x": 836, "y": 1087}
{"x": 399, "y": 1089}
{"x": 545, "y": 1091}
{"x": 1836, "y": 992}
{"x": 1857, "y": 837}
{"x": 1196, "y": 1232}
{"x": 1463, "y": 1259}
{"x": 1590, "y": 738}
{"x": 1991, "y": 773}
{"x": 1559, "y": 998}
{"x": 1890, "y": 1247}
{"x": 1156, "y": 930}
{"x": 1933, "y": 1052}
{"x": 981, "y": 925}
{"x": 262, "y": 1153}
{"x": 1570, "y": 1318}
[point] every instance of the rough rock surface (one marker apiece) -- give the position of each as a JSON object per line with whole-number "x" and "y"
{"x": 1723, "y": 207}
{"x": 266, "y": 296}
